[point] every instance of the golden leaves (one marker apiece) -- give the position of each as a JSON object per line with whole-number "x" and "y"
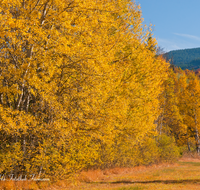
{"x": 76, "y": 76}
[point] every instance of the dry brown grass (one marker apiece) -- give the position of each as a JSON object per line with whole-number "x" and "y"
{"x": 23, "y": 185}
{"x": 18, "y": 185}
{"x": 188, "y": 156}
{"x": 107, "y": 174}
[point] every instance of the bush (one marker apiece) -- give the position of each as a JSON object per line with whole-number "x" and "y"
{"x": 168, "y": 150}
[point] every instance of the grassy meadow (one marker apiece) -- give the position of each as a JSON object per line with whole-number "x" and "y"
{"x": 184, "y": 174}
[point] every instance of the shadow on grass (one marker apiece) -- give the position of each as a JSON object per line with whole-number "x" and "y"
{"x": 184, "y": 181}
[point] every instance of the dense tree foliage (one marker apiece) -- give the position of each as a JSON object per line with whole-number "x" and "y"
{"x": 81, "y": 86}
{"x": 185, "y": 59}
{"x": 180, "y": 109}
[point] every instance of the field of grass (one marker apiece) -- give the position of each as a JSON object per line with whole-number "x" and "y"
{"x": 183, "y": 175}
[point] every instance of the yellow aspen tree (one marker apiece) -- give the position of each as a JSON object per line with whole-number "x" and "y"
{"x": 80, "y": 82}
{"x": 181, "y": 84}
{"x": 172, "y": 120}
{"x": 193, "y": 105}
{"x": 188, "y": 98}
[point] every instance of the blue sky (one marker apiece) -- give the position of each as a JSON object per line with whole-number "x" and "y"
{"x": 176, "y": 23}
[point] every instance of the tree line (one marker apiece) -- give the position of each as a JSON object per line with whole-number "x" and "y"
{"x": 180, "y": 108}
{"x": 81, "y": 86}
{"x": 186, "y": 58}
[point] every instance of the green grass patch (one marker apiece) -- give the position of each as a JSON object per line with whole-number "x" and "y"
{"x": 168, "y": 170}
{"x": 189, "y": 163}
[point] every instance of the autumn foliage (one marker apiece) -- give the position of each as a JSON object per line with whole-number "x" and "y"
{"x": 181, "y": 109}
{"x": 80, "y": 86}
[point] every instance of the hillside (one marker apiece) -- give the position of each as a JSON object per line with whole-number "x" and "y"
{"x": 186, "y": 59}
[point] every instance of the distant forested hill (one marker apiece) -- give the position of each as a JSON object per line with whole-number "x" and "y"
{"x": 186, "y": 59}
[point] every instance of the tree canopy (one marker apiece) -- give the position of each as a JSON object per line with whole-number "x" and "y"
{"x": 80, "y": 85}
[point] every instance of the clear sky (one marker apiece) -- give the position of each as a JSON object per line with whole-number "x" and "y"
{"x": 176, "y": 23}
